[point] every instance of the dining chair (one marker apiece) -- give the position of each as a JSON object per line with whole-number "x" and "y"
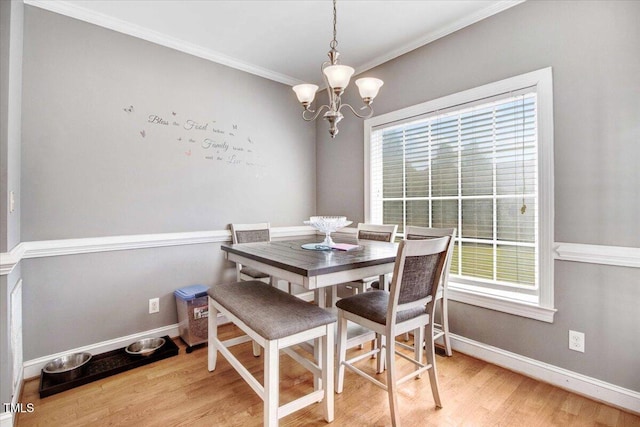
{"x": 250, "y": 233}
{"x": 408, "y": 306}
{"x": 377, "y": 232}
{"x": 440, "y": 330}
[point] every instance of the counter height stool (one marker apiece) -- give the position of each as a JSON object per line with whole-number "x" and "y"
{"x": 440, "y": 330}
{"x": 409, "y": 306}
{"x": 277, "y": 321}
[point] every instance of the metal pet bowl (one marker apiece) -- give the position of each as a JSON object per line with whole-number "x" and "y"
{"x": 145, "y": 347}
{"x": 67, "y": 368}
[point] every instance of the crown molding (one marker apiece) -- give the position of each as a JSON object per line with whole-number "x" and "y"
{"x": 102, "y": 20}
{"x": 73, "y": 11}
{"x": 442, "y": 32}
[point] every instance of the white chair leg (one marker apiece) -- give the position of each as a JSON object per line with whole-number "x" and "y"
{"x": 332, "y": 296}
{"x": 380, "y": 342}
{"x": 391, "y": 381}
{"x": 444, "y": 311}
{"x": 418, "y": 338}
{"x": 431, "y": 360}
{"x": 317, "y": 356}
{"x": 271, "y": 384}
{"x": 342, "y": 352}
{"x": 256, "y": 349}
{"x": 212, "y": 351}
{"x": 328, "y": 372}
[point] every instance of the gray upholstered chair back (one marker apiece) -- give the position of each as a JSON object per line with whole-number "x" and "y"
{"x": 249, "y": 233}
{"x": 378, "y": 232}
{"x": 417, "y": 277}
{"x": 417, "y": 273}
{"x": 419, "y": 233}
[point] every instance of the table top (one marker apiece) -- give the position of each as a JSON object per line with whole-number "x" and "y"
{"x": 289, "y": 255}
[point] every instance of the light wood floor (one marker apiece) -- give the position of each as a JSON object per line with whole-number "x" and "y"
{"x": 179, "y": 391}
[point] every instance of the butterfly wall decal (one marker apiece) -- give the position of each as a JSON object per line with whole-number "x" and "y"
{"x": 128, "y": 109}
{"x": 143, "y": 133}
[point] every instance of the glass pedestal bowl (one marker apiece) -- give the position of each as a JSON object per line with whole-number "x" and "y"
{"x": 327, "y": 225}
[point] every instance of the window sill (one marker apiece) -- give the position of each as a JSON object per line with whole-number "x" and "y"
{"x": 524, "y": 306}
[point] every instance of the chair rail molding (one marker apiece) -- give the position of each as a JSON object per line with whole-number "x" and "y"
{"x": 47, "y": 248}
{"x": 597, "y": 254}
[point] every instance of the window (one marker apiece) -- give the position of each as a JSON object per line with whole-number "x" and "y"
{"x": 480, "y": 161}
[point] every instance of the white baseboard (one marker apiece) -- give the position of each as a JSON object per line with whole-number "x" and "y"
{"x": 6, "y": 419}
{"x": 33, "y": 367}
{"x": 601, "y": 391}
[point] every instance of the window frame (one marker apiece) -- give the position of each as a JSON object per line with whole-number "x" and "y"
{"x": 541, "y": 305}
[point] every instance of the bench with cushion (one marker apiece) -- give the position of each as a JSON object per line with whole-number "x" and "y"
{"x": 276, "y": 321}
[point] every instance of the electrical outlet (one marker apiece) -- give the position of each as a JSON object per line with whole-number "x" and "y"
{"x": 576, "y": 341}
{"x": 154, "y": 305}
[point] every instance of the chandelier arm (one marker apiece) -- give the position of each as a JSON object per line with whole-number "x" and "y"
{"x": 315, "y": 116}
{"x": 365, "y": 116}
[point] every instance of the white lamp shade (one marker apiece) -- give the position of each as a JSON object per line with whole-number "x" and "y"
{"x": 369, "y": 87}
{"x": 338, "y": 75}
{"x": 305, "y": 92}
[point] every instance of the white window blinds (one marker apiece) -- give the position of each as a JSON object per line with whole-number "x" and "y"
{"x": 473, "y": 167}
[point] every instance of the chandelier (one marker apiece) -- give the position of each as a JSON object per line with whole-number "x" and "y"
{"x": 337, "y": 78}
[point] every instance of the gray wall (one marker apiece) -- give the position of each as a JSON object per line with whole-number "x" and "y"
{"x": 11, "y": 39}
{"x": 77, "y": 300}
{"x": 87, "y": 171}
{"x": 593, "y": 47}
{"x": 11, "y": 29}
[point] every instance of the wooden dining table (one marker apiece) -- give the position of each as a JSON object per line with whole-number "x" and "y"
{"x": 316, "y": 269}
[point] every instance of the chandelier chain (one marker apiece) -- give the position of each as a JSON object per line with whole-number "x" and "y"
{"x": 334, "y": 42}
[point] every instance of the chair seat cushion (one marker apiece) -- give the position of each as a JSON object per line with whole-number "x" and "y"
{"x": 252, "y": 272}
{"x": 270, "y": 312}
{"x": 373, "y": 306}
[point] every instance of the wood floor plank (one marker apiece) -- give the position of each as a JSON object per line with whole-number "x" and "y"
{"x": 180, "y": 391}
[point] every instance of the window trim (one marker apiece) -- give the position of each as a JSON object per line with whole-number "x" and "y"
{"x": 542, "y": 309}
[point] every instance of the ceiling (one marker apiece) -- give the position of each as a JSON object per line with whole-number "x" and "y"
{"x": 282, "y": 40}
